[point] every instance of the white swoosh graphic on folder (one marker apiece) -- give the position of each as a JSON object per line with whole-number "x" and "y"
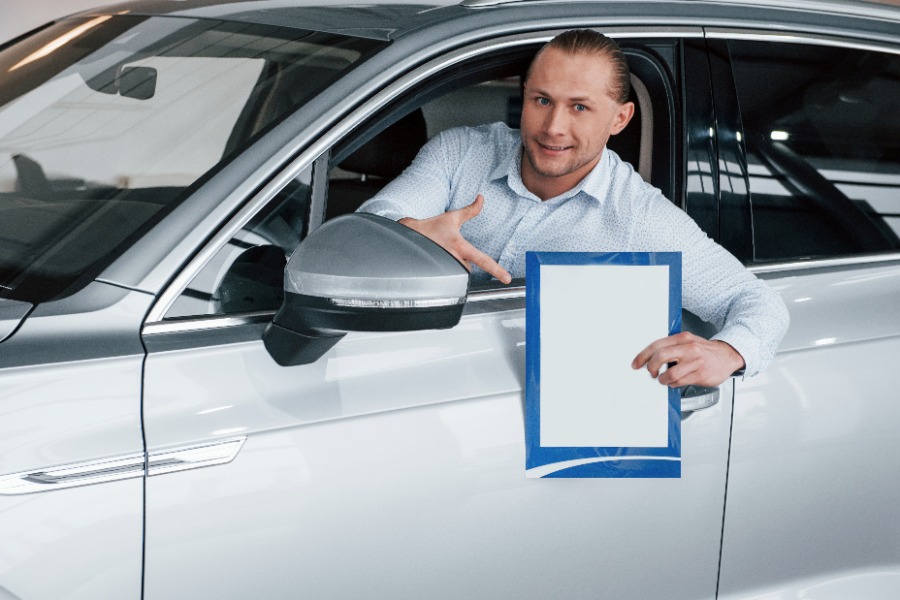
{"x": 544, "y": 470}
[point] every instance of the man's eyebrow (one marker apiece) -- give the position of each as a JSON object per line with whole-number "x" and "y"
{"x": 586, "y": 99}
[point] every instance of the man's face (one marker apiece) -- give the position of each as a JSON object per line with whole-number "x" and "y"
{"x": 567, "y": 119}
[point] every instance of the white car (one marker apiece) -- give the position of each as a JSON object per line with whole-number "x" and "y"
{"x": 160, "y": 160}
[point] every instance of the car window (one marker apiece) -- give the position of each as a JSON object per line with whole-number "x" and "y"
{"x": 822, "y": 136}
{"x": 360, "y": 171}
{"x": 486, "y": 93}
{"x": 247, "y": 273}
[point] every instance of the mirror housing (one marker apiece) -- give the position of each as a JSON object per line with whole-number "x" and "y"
{"x": 362, "y": 272}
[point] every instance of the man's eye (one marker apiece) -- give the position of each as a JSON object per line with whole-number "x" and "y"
{"x": 580, "y": 107}
{"x": 543, "y": 101}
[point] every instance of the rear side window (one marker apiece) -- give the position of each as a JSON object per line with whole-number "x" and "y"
{"x": 822, "y": 134}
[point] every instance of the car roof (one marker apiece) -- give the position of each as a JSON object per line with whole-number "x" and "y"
{"x": 378, "y": 20}
{"x": 390, "y": 19}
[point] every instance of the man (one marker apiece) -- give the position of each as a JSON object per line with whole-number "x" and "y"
{"x": 554, "y": 186}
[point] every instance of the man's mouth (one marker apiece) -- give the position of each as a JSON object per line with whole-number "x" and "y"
{"x": 553, "y": 148}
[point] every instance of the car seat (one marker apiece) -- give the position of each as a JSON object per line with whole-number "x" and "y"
{"x": 376, "y": 163}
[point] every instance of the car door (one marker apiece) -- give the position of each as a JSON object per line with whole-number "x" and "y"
{"x": 393, "y": 466}
{"x": 812, "y": 499}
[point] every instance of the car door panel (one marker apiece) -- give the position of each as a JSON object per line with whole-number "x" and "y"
{"x": 811, "y": 491}
{"x": 394, "y": 467}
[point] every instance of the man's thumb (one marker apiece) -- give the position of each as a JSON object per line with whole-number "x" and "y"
{"x": 473, "y": 210}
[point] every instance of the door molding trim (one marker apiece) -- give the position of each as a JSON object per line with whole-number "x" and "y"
{"x": 119, "y": 468}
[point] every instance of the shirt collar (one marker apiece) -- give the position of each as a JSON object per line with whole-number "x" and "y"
{"x": 593, "y": 185}
{"x": 596, "y": 184}
{"x": 508, "y": 165}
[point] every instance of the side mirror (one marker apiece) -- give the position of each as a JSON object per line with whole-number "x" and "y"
{"x": 362, "y": 272}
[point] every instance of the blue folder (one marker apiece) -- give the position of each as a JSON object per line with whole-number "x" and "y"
{"x": 599, "y": 414}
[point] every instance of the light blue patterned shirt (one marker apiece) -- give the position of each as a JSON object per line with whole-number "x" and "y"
{"x": 610, "y": 210}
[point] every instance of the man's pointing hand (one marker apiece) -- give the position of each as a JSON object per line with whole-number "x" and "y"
{"x": 444, "y": 231}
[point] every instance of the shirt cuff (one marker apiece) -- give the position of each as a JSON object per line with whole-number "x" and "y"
{"x": 746, "y": 344}
{"x": 393, "y": 215}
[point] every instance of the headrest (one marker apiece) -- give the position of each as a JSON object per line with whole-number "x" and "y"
{"x": 634, "y": 144}
{"x": 392, "y": 150}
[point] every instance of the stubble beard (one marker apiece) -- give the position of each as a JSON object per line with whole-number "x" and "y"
{"x": 572, "y": 165}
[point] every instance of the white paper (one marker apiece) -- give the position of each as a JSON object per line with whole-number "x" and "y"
{"x": 594, "y": 321}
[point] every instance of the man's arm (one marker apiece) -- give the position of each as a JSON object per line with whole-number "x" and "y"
{"x": 421, "y": 191}
{"x": 750, "y": 316}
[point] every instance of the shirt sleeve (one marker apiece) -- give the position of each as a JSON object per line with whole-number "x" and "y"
{"x": 750, "y": 316}
{"x": 423, "y": 189}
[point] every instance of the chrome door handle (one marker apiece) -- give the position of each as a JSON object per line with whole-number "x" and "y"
{"x": 697, "y": 397}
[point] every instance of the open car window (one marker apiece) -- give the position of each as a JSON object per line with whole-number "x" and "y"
{"x": 245, "y": 275}
{"x": 488, "y": 91}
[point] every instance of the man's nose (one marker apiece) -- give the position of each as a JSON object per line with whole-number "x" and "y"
{"x": 556, "y": 121}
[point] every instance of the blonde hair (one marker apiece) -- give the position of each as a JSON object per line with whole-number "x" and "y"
{"x": 588, "y": 41}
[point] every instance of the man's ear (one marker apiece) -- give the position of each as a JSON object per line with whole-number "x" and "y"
{"x": 622, "y": 118}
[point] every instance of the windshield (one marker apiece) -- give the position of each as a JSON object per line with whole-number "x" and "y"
{"x": 106, "y": 122}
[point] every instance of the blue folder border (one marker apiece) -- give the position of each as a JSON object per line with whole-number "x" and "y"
{"x": 600, "y": 461}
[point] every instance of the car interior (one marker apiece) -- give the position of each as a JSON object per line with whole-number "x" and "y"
{"x": 368, "y": 168}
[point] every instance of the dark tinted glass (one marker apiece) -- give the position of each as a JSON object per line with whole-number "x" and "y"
{"x": 822, "y": 133}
